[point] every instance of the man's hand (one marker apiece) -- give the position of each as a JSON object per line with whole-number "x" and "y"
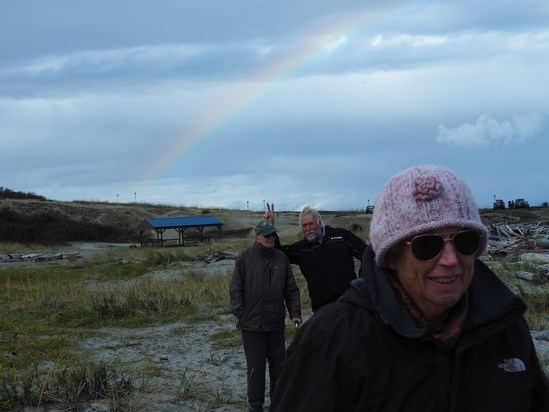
{"x": 269, "y": 214}
{"x": 297, "y": 322}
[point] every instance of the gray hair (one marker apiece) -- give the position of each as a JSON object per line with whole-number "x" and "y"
{"x": 313, "y": 212}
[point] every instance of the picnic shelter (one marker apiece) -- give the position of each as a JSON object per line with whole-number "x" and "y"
{"x": 189, "y": 230}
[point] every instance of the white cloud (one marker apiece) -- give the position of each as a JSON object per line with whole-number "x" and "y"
{"x": 488, "y": 130}
{"x": 334, "y": 43}
{"x": 130, "y": 55}
{"x": 406, "y": 40}
{"x": 376, "y": 41}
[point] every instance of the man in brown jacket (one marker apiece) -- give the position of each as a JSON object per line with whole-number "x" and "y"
{"x": 262, "y": 284}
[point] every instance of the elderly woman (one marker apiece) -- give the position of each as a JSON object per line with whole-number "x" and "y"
{"x": 427, "y": 327}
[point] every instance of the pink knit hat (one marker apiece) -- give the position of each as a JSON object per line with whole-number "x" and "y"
{"x": 420, "y": 199}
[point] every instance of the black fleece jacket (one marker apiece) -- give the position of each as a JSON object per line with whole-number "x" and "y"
{"x": 365, "y": 353}
{"x": 328, "y": 266}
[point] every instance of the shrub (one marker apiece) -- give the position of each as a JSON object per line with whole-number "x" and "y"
{"x": 49, "y": 228}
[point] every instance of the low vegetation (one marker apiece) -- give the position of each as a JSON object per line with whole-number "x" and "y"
{"x": 536, "y": 298}
{"x": 50, "y": 228}
{"x": 46, "y": 309}
{"x": 6, "y": 193}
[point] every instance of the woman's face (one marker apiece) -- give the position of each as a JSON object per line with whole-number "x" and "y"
{"x": 435, "y": 285}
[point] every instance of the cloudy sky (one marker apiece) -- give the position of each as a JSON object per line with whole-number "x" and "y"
{"x": 234, "y": 103}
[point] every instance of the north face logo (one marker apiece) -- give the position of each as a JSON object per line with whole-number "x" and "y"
{"x": 512, "y": 365}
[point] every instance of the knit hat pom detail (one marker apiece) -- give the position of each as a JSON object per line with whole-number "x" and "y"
{"x": 426, "y": 187}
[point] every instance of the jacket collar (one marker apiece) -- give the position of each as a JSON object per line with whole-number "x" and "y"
{"x": 490, "y": 299}
{"x": 262, "y": 250}
{"x": 326, "y": 232}
{"x": 373, "y": 291}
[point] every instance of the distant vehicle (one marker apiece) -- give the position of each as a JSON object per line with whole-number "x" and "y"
{"x": 499, "y": 204}
{"x": 521, "y": 204}
{"x": 369, "y": 209}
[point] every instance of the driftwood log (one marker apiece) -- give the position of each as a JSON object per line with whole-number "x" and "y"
{"x": 513, "y": 239}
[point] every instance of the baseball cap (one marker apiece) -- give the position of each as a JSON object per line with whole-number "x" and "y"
{"x": 265, "y": 228}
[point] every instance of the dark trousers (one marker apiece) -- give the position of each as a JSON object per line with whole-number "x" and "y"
{"x": 260, "y": 347}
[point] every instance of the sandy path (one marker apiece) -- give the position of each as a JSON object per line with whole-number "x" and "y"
{"x": 184, "y": 355}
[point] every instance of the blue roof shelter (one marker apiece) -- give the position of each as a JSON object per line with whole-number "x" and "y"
{"x": 180, "y": 225}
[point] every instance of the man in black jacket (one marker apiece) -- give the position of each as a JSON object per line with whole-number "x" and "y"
{"x": 262, "y": 283}
{"x": 427, "y": 327}
{"x": 326, "y": 256}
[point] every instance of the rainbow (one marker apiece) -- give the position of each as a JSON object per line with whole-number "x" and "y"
{"x": 303, "y": 56}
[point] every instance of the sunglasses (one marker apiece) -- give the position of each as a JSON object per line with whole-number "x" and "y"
{"x": 429, "y": 246}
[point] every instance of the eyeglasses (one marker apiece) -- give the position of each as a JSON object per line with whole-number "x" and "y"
{"x": 269, "y": 235}
{"x": 429, "y": 246}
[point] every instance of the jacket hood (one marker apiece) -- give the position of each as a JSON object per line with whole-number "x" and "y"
{"x": 489, "y": 298}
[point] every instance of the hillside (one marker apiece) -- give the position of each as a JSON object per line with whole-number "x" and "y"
{"x": 123, "y": 219}
{"x": 127, "y": 217}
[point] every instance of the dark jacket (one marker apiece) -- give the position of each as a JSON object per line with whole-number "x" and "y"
{"x": 328, "y": 267}
{"x": 262, "y": 281}
{"x": 365, "y": 353}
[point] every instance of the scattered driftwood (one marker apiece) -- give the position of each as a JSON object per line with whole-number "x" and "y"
{"x": 529, "y": 276}
{"x": 37, "y": 257}
{"x": 522, "y": 242}
{"x": 43, "y": 257}
{"x": 513, "y": 239}
{"x": 539, "y": 244}
{"x": 217, "y": 256}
